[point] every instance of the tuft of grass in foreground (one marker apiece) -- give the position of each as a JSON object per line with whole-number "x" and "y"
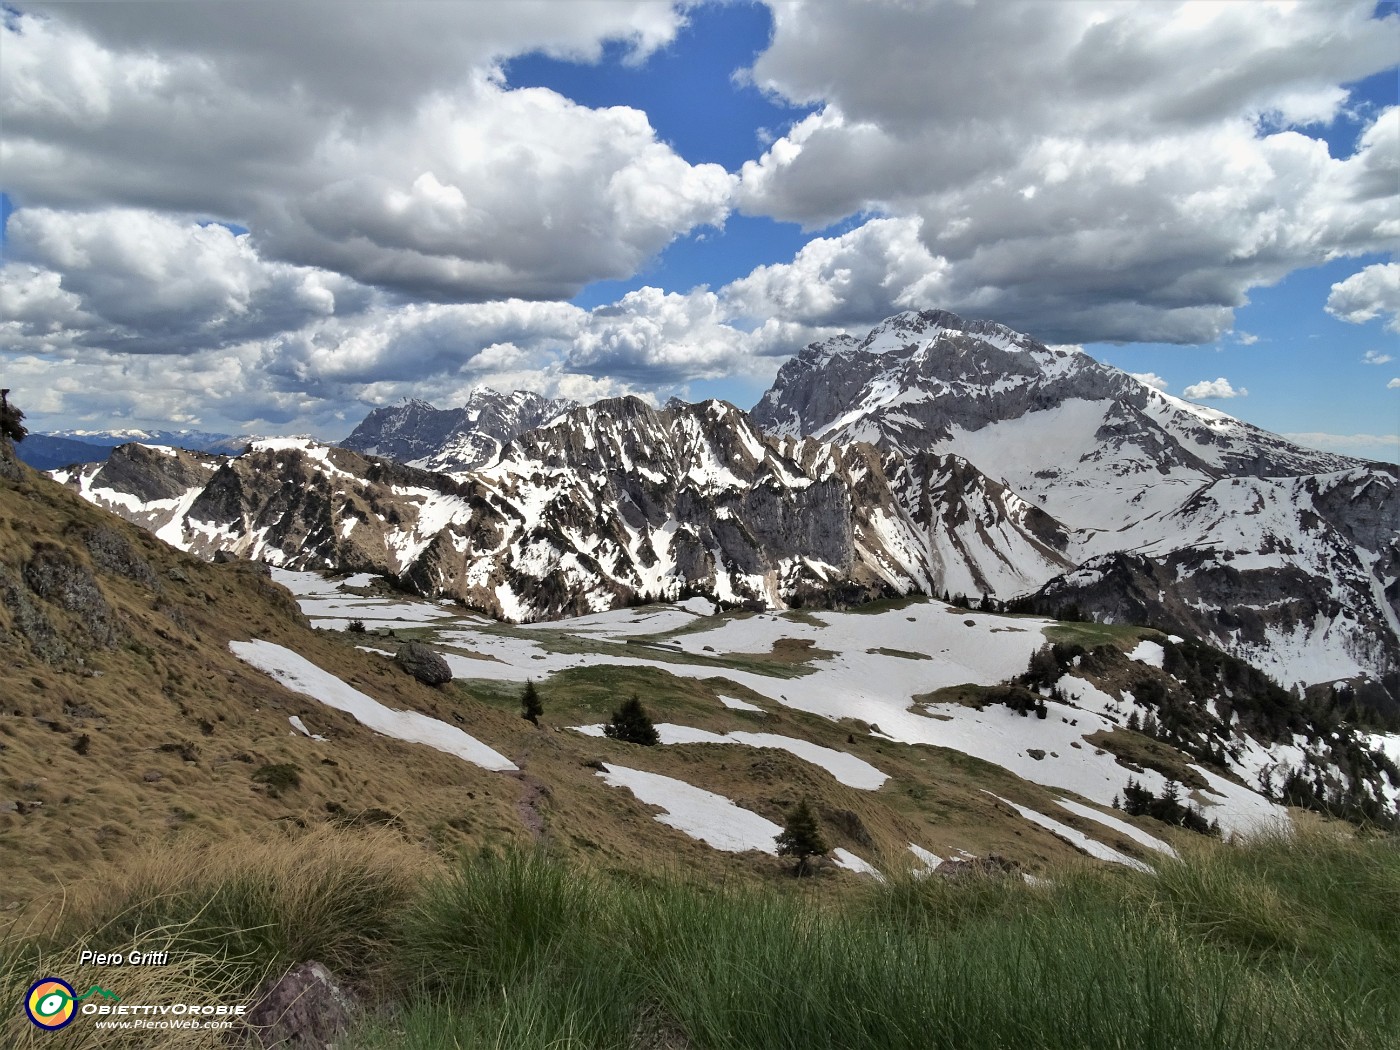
{"x": 1263, "y": 945}
{"x": 252, "y": 904}
{"x": 1283, "y": 941}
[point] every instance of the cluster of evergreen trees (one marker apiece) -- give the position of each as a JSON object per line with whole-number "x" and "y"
{"x": 1140, "y": 801}
{"x": 1208, "y": 696}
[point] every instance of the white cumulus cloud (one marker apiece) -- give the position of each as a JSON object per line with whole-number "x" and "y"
{"x": 1375, "y": 357}
{"x": 1086, "y": 172}
{"x": 381, "y": 143}
{"x": 860, "y": 277}
{"x": 1213, "y": 390}
{"x": 1367, "y": 294}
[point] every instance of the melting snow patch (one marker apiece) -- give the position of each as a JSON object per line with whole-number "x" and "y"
{"x": 930, "y": 861}
{"x": 301, "y": 675}
{"x": 1386, "y": 743}
{"x": 849, "y": 770}
{"x": 701, "y": 814}
{"x": 1075, "y": 838}
{"x": 1120, "y": 826}
{"x": 300, "y": 727}
{"x": 739, "y": 705}
{"x": 1148, "y": 652}
{"x": 844, "y": 858}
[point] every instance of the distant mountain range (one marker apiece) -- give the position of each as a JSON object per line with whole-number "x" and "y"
{"x": 66, "y": 447}
{"x": 935, "y": 454}
{"x": 152, "y": 698}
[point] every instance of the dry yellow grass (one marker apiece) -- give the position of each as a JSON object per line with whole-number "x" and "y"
{"x": 158, "y": 739}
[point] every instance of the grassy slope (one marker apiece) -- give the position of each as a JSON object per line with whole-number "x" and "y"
{"x": 1279, "y": 943}
{"x": 169, "y": 701}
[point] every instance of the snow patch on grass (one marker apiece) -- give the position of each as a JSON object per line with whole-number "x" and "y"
{"x": 302, "y": 676}
{"x": 703, "y": 815}
{"x": 1148, "y": 652}
{"x": 848, "y": 769}
{"x": 740, "y": 705}
{"x": 1075, "y": 838}
{"x": 1120, "y": 826}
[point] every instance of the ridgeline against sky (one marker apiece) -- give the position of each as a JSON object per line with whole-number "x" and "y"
{"x": 253, "y": 217}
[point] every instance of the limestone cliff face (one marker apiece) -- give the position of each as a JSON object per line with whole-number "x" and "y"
{"x": 607, "y": 505}
{"x": 1110, "y": 495}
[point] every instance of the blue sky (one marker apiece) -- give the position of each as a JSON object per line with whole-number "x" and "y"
{"x": 244, "y": 218}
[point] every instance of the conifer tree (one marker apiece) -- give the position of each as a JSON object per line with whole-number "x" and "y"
{"x": 630, "y": 723}
{"x": 530, "y": 705}
{"x": 11, "y": 419}
{"x": 801, "y": 837}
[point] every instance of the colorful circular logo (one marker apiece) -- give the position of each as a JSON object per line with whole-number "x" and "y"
{"x": 50, "y": 1003}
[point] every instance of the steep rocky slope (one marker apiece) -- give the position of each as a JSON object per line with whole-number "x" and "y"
{"x": 1172, "y": 513}
{"x": 452, "y": 439}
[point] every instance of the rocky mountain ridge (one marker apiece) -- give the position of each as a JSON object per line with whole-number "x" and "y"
{"x": 452, "y": 439}
{"x": 1278, "y": 553}
{"x": 935, "y": 455}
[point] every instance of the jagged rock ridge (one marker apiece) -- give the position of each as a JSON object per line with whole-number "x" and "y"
{"x": 935, "y": 454}
{"x": 452, "y": 439}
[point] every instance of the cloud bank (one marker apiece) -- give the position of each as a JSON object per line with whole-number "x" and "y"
{"x": 256, "y": 215}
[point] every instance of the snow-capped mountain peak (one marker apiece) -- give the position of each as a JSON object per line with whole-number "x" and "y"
{"x": 454, "y": 439}
{"x": 1118, "y": 466}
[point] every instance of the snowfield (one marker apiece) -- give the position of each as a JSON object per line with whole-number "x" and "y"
{"x": 868, "y": 666}
{"x": 711, "y": 818}
{"x": 302, "y": 676}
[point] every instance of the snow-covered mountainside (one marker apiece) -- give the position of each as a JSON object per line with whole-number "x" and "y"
{"x": 606, "y": 505}
{"x": 936, "y": 454}
{"x": 1176, "y": 514}
{"x": 452, "y": 439}
{"x": 1088, "y": 443}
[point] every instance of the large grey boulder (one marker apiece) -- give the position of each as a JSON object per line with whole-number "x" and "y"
{"x": 424, "y": 664}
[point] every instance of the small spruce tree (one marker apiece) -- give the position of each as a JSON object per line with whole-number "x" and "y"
{"x": 801, "y": 837}
{"x": 530, "y": 706}
{"x": 631, "y": 724}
